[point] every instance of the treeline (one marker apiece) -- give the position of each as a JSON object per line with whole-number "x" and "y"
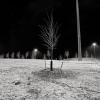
{"x": 39, "y": 55}
{"x": 21, "y": 55}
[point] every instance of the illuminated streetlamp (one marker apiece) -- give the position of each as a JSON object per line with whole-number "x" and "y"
{"x": 35, "y": 52}
{"x": 94, "y": 46}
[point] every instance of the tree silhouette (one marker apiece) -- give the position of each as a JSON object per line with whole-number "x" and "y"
{"x": 49, "y": 36}
{"x": 66, "y": 54}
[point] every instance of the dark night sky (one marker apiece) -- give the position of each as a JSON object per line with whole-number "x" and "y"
{"x": 22, "y": 17}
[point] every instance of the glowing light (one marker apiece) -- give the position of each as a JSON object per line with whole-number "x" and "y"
{"x": 35, "y": 50}
{"x": 94, "y": 44}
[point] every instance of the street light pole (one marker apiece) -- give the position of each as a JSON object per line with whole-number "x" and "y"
{"x": 94, "y": 52}
{"x": 35, "y": 53}
{"x": 94, "y": 46}
{"x": 78, "y": 32}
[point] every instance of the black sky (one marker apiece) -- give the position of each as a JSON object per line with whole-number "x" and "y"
{"x": 22, "y": 17}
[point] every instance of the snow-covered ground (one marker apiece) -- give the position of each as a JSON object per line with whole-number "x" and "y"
{"x": 27, "y": 79}
{"x": 38, "y": 64}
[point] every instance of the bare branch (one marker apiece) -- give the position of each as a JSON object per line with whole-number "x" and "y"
{"x": 49, "y": 34}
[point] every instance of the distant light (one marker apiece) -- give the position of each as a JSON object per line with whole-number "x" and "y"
{"x": 94, "y": 44}
{"x": 35, "y": 50}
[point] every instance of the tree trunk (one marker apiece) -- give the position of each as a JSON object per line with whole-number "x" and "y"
{"x": 51, "y": 65}
{"x": 51, "y": 62}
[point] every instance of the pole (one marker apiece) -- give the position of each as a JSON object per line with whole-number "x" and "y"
{"x": 94, "y": 52}
{"x": 78, "y": 32}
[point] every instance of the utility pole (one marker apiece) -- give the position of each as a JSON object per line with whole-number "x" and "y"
{"x": 78, "y": 32}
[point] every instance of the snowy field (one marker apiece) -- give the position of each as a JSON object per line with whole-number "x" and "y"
{"x": 29, "y": 79}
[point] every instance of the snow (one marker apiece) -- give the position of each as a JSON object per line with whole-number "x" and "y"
{"x": 27, "y": 79}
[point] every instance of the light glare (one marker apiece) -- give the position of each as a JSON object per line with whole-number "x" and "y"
{"x": 35, "y": 50}
{"x": 94, "y": 44}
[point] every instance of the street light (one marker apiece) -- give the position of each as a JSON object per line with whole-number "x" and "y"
{"x": 94, "y": 46}
{"x": 35, "y": 52}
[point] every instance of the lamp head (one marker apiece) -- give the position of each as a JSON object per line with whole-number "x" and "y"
{"x": 94, "y": 44}
{"x": 35, "y": 50}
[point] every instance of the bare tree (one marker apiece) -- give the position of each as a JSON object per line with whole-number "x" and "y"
{"x": 12, "y": 55}
{"x": 26, "y": 54}
{"x": 60, "y": 57}
{"x": 86, "y": 54}
{"x": 48, "y": 54}
{"x": 66, "y": 54}
{"x": 44, "y": 57}
{"x": 7, "y": 55}
{"x": 49, "y": 36}
{"x": 18, "y": 54}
